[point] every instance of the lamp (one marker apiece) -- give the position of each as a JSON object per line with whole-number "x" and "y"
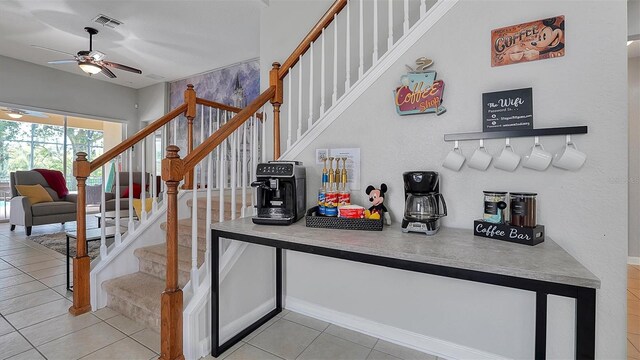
{"x": 89, "y": 68}
{"x": 14, "y": 115}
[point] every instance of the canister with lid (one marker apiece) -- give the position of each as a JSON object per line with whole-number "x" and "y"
{"x": 523, "y": 209}
{"x": 495, "y": 205}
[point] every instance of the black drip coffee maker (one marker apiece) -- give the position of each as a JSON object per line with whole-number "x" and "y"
{"x": 424, "y": 205}
{"x": 282, "y": 194}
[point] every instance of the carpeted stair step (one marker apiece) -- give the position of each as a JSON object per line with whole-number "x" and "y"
{"x": 153, "y": 261}
{"x": 137, "y": 296}
{"x": 215, "y": 207}
{"x": 184, "y": 233}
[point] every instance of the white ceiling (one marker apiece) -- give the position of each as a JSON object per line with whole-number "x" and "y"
{"x": 172, "y": 39}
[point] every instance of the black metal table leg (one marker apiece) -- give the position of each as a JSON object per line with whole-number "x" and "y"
{"x": 541, "y": 326}
{"x": 279, "y": 279}
{"x": 586, "y": 323}
{"x": 216, "y": 348}
{"x": 215, "y": 294}
{"x": 68, "y": 282}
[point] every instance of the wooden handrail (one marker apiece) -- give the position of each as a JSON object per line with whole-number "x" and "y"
{"x": 136, "y": 138}
{"x": 222, "y": 106}
{"x": 199, "y": 153}
{"x": 312, "y": 36}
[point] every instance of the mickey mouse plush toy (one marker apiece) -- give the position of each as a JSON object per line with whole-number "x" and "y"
{"x": 377, "y": 209}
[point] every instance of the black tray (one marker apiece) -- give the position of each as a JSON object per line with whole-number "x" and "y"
{"x": 331, "y": 222}
{"x": 506, "y": 232}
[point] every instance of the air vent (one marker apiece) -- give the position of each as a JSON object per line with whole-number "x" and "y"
{"x": 155, "y": 77}
{"x": 107, "y": 21}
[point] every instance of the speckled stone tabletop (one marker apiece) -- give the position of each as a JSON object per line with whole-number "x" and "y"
{"x": 457, "y": 248}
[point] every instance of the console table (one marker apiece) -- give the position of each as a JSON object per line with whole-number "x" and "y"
{"x": 456, "y": 253}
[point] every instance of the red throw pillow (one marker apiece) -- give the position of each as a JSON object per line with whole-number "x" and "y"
{"x": 137, "y": 189}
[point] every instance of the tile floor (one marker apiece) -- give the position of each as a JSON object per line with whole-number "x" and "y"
{"x": 633, "y": 312}
{"x": 35, "y": 323}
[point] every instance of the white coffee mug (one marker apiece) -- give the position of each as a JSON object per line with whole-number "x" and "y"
{"x": 508, "y": 160}
{"x": 538, "y": 158}
{"x": 569, "y": 158}
{"x": 481, "y": 159}
{"x": 454, "y": 159}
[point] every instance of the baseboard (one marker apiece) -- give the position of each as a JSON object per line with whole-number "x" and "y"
{"x": 239, "y": 324}
{"x": 633, "y": 260}
{"x": 440, "y": 348}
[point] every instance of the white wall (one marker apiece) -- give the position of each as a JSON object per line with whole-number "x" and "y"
{"x": 42, "y": 87}
{"x": 153, "y": 102}
{"x": 634, "y": 156}
{"x": 633, "y": 19}
{"x": 584, "y": 211}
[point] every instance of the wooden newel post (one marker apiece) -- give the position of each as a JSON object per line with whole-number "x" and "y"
{"x": 171, "y": 298}
{"x": 276, "y": 102}
{"x": 81, "y": 262}
{"x": 190, "y": 114}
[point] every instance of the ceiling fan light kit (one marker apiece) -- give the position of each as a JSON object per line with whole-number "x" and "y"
{"x": 89, "y": 68}
{"x": 92, "y": 61}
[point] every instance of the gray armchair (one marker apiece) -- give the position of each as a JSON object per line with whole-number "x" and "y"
{"x": 110, "y": 197}
{"x": 27, "y": 215}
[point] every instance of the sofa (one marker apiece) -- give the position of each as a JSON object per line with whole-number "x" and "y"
{"x": 25, "y": 214}
{"x": 110, "y": 197}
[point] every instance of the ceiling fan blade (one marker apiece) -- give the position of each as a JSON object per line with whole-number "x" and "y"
{"x": 54, "y": 50}
{"x": 35, "y": 113}
{"x": 108, "y": 73}
{"x": 97, "y": 55}
{"x": 122, "y": 67}
{"x": 65, "y": 61}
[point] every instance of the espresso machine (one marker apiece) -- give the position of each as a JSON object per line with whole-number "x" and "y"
{"x": 424, "y": 205}
{"x": 282, "y": 193}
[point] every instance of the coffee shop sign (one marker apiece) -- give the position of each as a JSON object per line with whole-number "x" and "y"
{"x": 420, "y": 92}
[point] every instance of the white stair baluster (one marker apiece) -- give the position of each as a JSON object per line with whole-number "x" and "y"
{"x": 254, "y": 154}
{"x": 175, "y": 131}
{"x": 201, "y": 141}
{"x": 103, "y": 202}
{"x": 375, "y": 32}
{"x": 234, "y": 172}
{"x": 299, "y": 99}
{"x": 334, "y": 96}
{"x": 154, "y": 172}
{"x": 423, "y": 7}
{"x": 289, "y": 119}
{"x": 361, "y": 40}
{"x": 118, "y": 237}
{"x": 143, "y": 192}
{"x": 244, "y": 167}
{"x": 130, "y": 226}
{"x": 310, "y": 118}
{"x": 263, "y": 136}
{"x": 209, "y": 207}
{"x": 165, "y": 142}
{"x": 223, "y": 173}
{"x": 406, "y": 17}
{"x": 194, "y": 232}
{"x": 322, "y": 76}
{"x": 347, "y": 83}
{"x": 390, "y": 39}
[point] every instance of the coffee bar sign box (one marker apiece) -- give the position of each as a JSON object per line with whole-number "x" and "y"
{"x": 506, "y": 232}
{"x": 507, "y": 110}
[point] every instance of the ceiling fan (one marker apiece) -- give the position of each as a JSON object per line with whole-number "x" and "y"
{"x": 91, "y": 61}
{"x": 18, "y": 113}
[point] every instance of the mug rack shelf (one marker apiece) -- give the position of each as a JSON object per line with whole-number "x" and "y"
{"x": 570, "y": 130}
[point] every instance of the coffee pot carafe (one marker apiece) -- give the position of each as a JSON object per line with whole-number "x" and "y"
{"x": 424, "y": 205}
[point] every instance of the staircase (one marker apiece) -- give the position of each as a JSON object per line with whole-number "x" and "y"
{"x": 226, "y": 157}
{"x": 137, "y": 295}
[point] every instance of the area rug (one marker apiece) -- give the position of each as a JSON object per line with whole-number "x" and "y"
{"x": 58, "y": 242}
